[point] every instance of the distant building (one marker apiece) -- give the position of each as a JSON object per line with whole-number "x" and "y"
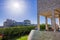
{"x": 18, "y": 23}
{"x": 1, "y": 26}
{"x": 27, "y": 22}
{"x": 9, "y": 23}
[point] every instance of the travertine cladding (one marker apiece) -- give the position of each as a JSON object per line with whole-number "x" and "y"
{"x": 45, "y": 5}
{"x": 43, "y": 35}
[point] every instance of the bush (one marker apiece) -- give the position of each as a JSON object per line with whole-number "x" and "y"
{"x": 18, "y": 31}
{"x": 43, "y": 26}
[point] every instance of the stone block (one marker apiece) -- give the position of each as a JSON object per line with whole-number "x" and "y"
{"x": 43, "y": 35}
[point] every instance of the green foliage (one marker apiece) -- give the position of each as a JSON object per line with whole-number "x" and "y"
{"x": 42, "y": 26}
{"x": 18, "y": 31}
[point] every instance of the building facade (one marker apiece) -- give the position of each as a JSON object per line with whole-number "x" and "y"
{"x": 27, "y": 22}
{"x": 9, "y": 23}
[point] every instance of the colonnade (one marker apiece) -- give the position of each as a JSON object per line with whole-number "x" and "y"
{"x": 53, "y": 21}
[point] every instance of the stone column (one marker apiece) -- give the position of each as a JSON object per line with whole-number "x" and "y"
{"x": 51, "y": 24}
{"x": 46, "y": 20}
{"x": 59, "y": 21}
{"x": 38, "y": 21}
{"x": 53, "y": 20}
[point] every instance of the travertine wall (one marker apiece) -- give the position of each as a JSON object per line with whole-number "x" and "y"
{"x": 43, "y": 35}
{"x": 45, "y": 5}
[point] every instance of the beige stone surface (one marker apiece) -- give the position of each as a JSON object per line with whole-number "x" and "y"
{"x": 46, "y": 6}
{"x": 43, "y": 35}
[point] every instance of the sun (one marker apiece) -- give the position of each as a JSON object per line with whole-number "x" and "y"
{"x": 16, "y": 8}
{"x": 15, "y": 5}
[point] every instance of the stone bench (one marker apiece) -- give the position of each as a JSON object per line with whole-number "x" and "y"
{"x": 43, "y": 35}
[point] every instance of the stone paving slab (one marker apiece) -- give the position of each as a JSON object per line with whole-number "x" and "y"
{"x": 43, "y": 35}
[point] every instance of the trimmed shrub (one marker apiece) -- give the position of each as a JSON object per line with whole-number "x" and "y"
{"x": 18, "y": 31}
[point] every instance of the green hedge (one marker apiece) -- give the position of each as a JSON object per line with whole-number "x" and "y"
{"x": 42, "y": 27}
{"x": 13, "y": 32}
{"x": 18, "y": 31}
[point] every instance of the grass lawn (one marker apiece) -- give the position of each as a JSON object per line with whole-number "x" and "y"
{"x": 23, "y": 38}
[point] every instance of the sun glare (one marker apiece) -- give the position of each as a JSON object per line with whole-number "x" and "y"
{"x": 15, "y": 5}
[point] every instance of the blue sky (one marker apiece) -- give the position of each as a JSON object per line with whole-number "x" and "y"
{"x": 29, "y": 11}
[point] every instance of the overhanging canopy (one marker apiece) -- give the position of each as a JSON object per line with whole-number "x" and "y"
{"x": 45, "y": 7}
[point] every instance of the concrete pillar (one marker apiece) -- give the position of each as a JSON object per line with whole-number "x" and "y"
{"x": 46, "y": 20}
{"x": 38, "y": 21}
{"x": 52, "y": 24}
{"x": 53, "y": 20}
{"x": 59, "y": 21}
